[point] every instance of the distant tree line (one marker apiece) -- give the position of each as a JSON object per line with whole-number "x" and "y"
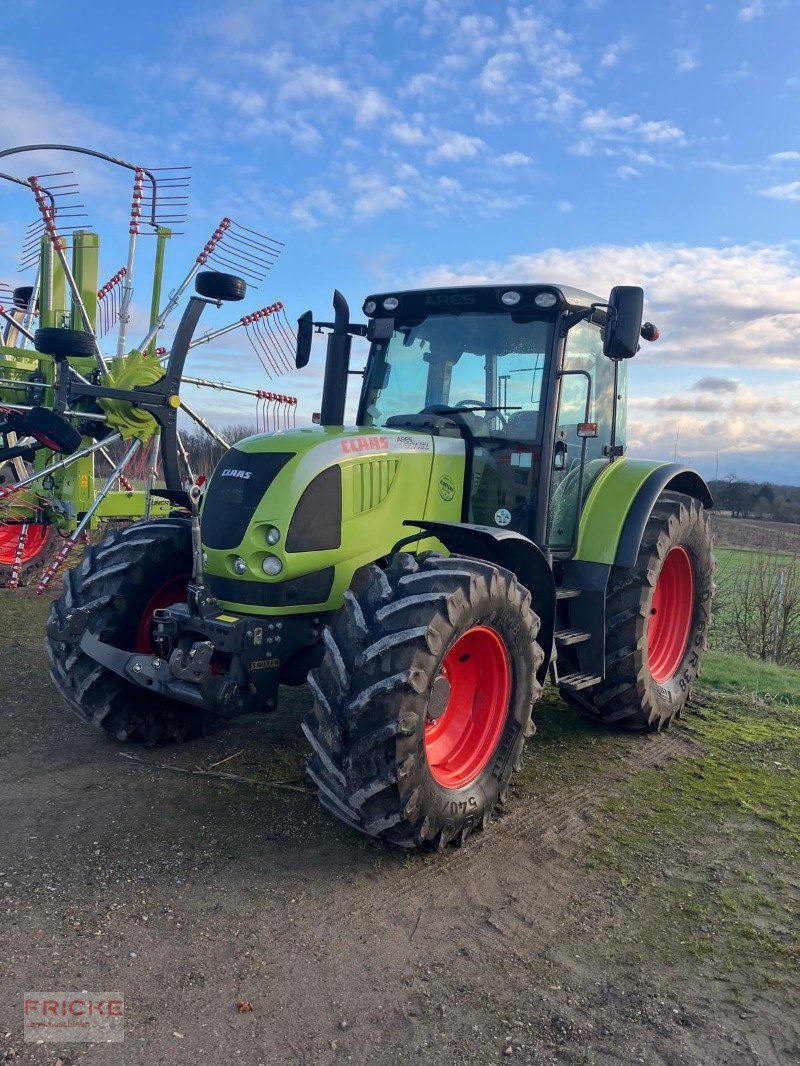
{"x": 745, "y": 499}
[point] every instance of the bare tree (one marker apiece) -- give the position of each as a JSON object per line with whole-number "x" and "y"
{"x": 765, "y": 606}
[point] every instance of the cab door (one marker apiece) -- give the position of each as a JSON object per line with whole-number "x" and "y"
{"x": 583, "y": 444}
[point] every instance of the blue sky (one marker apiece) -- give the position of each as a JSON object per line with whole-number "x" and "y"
{"x": 391, "y": 144}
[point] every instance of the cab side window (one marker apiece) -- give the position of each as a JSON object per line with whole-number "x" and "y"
{"x": 586, "y": 395}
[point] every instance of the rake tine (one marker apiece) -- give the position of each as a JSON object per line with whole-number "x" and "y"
{"x": 266, "y": 344}
{"x": 175, "y": 298}
{"x": 240, "y": 268}
{"x": 255, "y": 320}
{"x": 264, "y": 249}
{"x": 287, "y": 324}
{"x": 72, "y": 540}
{"x": 255, "y": 233}
{"x": 275, "y": 342}
{"x": 48, "y": 214}
{"x": 280, "y": 343}
{"x": 257, "y": 348}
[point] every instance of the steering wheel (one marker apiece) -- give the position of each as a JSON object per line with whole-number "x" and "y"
{"x": 478, "y": 407}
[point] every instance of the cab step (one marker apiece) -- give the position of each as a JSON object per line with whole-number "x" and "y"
{"x": 576, "y": 682}
{"x": 567, "y": 593}
{"x": 572, "y": 636}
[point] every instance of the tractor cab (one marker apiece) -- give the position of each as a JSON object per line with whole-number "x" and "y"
{"x": 521, "y": 375}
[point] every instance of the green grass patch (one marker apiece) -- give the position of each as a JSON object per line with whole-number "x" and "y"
{"x": 708, "y": 847}
{"x": 751, "y": 679}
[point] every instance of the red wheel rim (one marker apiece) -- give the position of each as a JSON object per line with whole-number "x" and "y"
{"x": 172, "y": 591}
{"x": 671, "y": 613}
{"x": 462, "y": 739}
{"x": 34, "y": 545}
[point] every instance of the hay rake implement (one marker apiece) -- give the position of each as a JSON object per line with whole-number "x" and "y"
{"x": 67, "y": 401}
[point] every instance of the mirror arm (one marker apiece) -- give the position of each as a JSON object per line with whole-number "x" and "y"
{"x": 355, "y": 329}
{"x": 572, "y": 319}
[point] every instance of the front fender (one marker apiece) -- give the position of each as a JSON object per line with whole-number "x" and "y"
{"x": 514, "y": 552}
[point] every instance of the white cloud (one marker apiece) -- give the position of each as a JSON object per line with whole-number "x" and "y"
{"x": 408, "y": 134}
{"x": 374, "y": 195}
{"x": 565, "y": 207}
{"x": 309, "y": 210}
{"x": 373, "y": 107}
{"x": 626, "y": 172}
{"x": 789, "y": 191}
{"x": 603, "y": 125}
{"x": 685, "y": 60}
{"x": 751, "y": 9}
{"x": 422, "y": 84}
{"x": 784, "y": 157}
{"x": 740, "y": 73}
{"x": 612, "y": 55}
{"x": 497, "y": 72}
{"x": 513, "y": 159}
{"x": 732, "y": 307}
{"x": 454, "y": 146}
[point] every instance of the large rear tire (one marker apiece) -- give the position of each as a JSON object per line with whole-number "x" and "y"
{"x": 423, "y": 700}
{"x": 657, "y": 618}
{"x": 121, "y": 581}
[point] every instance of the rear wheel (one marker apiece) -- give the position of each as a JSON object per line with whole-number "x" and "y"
{"x": 423, "y": 701}
{"x": 657, "y": 618}
{"x": 121, "y": 581}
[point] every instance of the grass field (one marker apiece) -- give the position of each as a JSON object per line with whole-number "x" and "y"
{"x": 733, "y": 564}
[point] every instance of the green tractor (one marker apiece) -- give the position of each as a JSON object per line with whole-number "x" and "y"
{"x": 479, "y": 527}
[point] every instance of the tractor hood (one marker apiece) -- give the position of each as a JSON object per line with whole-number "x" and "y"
{"x": 289, "y": 517}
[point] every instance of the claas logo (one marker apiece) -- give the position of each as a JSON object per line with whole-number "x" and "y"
{"x": 365, "y": 444}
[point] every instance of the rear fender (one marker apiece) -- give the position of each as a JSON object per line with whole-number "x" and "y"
{"x": 514, "y": 552}
{"x": 620, "y": 502}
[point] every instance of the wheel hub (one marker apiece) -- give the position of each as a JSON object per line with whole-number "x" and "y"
{"x": 671, "y": 612}
{"x": 468, "y": 707}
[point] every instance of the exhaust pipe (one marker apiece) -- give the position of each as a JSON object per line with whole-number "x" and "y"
{"x": 337, "y": 365}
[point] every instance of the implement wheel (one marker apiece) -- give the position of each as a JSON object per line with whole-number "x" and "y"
{"x": 423, "y": 701}
{"x": 40, "y": 544}
{"x": 657, "y": 618}
{"x": 122, "y": 580}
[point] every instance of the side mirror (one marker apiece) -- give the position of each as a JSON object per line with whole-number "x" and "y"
{"x": 624, "y": 322}
{"x": 305, "y": 334}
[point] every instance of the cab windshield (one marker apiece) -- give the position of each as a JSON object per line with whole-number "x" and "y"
{"x": 489, "y": 363}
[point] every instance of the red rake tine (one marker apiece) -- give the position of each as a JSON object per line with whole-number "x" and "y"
{"x": 286, "y": 348}
{"x": 255, "y": 343}
{"x": 264, "y": 341}
{"x": 274, "y": 339}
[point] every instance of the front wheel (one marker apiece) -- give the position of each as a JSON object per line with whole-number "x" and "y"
{"x": 121, "y": 581}
{"x": 423, "y": 700}
{"x": 657, "y": 618}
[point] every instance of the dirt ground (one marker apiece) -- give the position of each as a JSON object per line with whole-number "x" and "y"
{"x": 191, "y": 894}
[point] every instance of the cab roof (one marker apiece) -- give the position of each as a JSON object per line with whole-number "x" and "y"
{"x": 459, "y": 298}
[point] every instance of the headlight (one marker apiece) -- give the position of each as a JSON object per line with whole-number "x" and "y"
{"x": 510, "y": 299}
{"x": 370, "y": 307}
{"x": 271, "y": 565}
{"x": 273, "y": 535}
{"x": 391, "y": 303}
{"x": 545, "y": 299}
{"x": 239, "y": 565}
